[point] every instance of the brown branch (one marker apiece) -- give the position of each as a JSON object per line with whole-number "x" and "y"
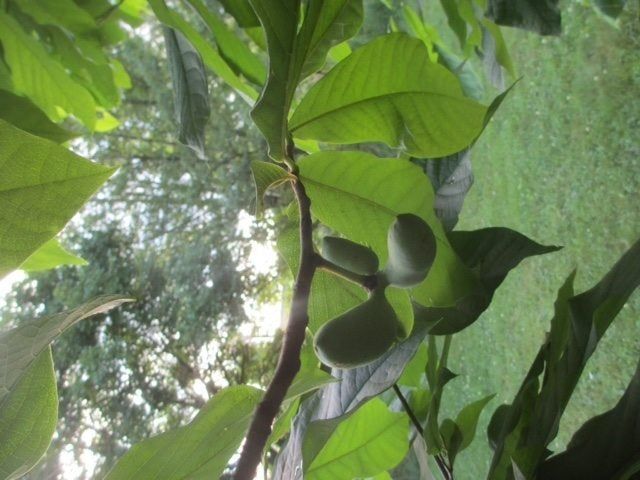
{"x": 289, "y": 361}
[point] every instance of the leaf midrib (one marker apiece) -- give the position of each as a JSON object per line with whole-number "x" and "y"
{"x": 374, "y": 98}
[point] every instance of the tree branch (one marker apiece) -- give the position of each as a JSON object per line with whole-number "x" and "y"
{"x": 289, "y": 361}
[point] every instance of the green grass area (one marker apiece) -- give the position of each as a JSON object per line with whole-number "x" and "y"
{"x": 561, "y": 164}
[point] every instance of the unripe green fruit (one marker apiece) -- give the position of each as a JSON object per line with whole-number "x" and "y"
{"x": 412, "y": 249}
{"x": 350, "y": 255}
{"x": 358, "y": 336}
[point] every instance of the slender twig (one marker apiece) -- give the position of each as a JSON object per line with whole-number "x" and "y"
{"x": 446, "y": 471}
{"x": 289, "y": 361}
{"x": 407, "y": 408}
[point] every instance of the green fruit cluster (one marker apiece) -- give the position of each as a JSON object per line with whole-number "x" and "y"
{"x": 365, "y": 332}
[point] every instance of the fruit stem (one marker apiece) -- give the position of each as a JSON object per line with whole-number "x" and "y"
{"x": 368, "y": 282}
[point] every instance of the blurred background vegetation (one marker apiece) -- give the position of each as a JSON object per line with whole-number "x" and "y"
{"x": 560, "y": 162}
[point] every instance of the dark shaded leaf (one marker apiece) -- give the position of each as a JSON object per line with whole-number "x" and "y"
{"x": 612, "y": 8}
{"x": 451, "y": 178}
{"x": 191, "y": 90}
{"x": 579, "y": 323}
{"x": 539, "y": 16}
{"x": 22, "y": 113}
{"x": 490, "y": 254}
{"x": 605, "y": 446}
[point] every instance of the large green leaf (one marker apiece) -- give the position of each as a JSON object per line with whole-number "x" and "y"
{"x": 528, "y": 426}
{"x": 210, "y": 56}
{"x": 490, "y": 253}
{"x": 200, "y": 449}
{"x": 42, "y": 186}
{"x": 366, "y": 442}
{"x": 50, "y": 255}
{"x": 539, "y": 16}
{"x": 36, "y": 74}
{"x": 28, "y": 417}
{"x": 236, "y": 52}
{"x": 360, "y": 195}
{"x": 605, "y": 446}
{"x": 191, "y": 90}
{"x": 389, "y": 91}
{"x": 22, "y": 113}
{"x": 21, "y": 345}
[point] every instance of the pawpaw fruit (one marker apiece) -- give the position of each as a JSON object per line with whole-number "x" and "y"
{"x": 412, "y": 250}
{"x": 358, "y": 336}
{"x": 350, "y": 255}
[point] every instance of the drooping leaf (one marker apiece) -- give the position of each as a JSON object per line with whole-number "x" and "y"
{"x": 36, "y": 74}
{"x": 579, "y": 323}
{"x": 539, "y": 16}
{"x": 50, "y": 255}
{"x": 22, "y": 113}
{"x": 42, "y": 186}
{"x": 191, "y": 90}
{"x": 365, "y": 99}
{"x": 495, "y": 54}
{"x": 489, "y": 253}
{"x": 605, "y": 446}
{"x": 359, "y": 195}
{"x": 21, "y": 345}
{"x": 28, "y": 417}
{"x": 233, "y": 49}
{"x": 455, "y": 21}
{"x": 265, "y": 176}
{"x": 200, "y": 449}
{"x": 354, "y": 386}
{"x": 210, "y": 56}
{"x": 365, "y": 442}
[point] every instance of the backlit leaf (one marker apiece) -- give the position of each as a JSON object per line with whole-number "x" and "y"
{"x": 389, "y": 91}
{"x": 42, "y": 186}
